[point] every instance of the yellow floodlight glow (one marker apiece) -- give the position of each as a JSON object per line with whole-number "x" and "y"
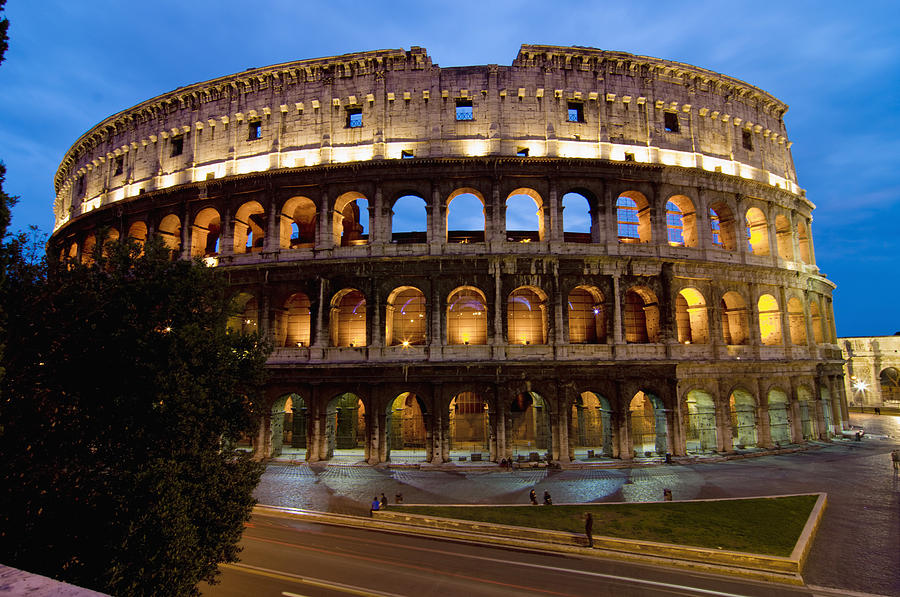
{"x": 254, "y": 164}
{"x": 475, "y": 147}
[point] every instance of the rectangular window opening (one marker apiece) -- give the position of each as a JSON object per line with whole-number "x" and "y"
{"x": 406, "y": 154}
{"x": 629, "y": 157}
{"x": 120, "y": 165}
{"x": 747, "y": 140}
{"x": 522, "y": 152}
{"x": 464, "y": 110}
{"x": 354, "y": 118}
{"x": 79, "y": 186}
{"x": 575, "y": 112}
{"x": 254, "y": 130}
{"x": 671, "y": 122}
{"x": 177, "y": 145}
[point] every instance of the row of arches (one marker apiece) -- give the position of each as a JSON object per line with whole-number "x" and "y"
{"x": 589, "y": 318}
{"x": 527, "y": 426}
{"x": 465, "y": 217}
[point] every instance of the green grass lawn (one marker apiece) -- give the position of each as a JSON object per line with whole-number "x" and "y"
{"x": 769, "y": 526}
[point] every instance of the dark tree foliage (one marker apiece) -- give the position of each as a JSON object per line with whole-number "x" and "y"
{"x": 4, "y": 36}
{"x": 122, "y": 400}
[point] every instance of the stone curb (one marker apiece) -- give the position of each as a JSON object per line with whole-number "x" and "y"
{"x": 785, "y": 570}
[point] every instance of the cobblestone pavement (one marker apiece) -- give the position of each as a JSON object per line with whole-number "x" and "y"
{"x": 857, "y": 546}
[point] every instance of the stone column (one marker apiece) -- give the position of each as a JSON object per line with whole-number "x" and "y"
{"x": 617, "y": 311}
{"x": 560, "y": 425}
{"x": 553, "y": 215}
{"x": 764, "y": 433}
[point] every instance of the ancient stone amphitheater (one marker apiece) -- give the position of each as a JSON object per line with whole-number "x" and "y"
{"x": 587, "y": 255}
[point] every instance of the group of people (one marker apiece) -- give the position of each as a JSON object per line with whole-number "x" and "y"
{"x": 548, "y": 501}
{"x": 380, "y": 503}
{"x": 507, "y": 463}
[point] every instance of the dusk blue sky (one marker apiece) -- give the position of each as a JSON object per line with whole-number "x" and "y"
{"x": 836, "y": 64}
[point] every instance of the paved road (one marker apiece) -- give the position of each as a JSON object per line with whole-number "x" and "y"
{"x": 857, "y": 547}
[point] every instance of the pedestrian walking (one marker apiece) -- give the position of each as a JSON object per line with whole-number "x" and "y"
{"x": 376, "y": 505}
{"x": 895, "y": 459}
{"x": 533, "y": 497}
{"x": 589, "y": 528}
{"x": 547, "y": 500}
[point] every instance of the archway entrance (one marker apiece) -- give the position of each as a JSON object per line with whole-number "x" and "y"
{"x": 293, "y": 434}
{"x": 469, "y": 427}
{"x": 807, "y": 429}
{"x": 779, "y": 425}
{"x": 345, "y": 428}
{"x": 591, "y": 429}
{"x": 405, "y": 429}
{"x": 648, "y": 426}
{"x": 528, "y": 427}
{"x": 742, "y": 407}
{"x": 700, "y": 432}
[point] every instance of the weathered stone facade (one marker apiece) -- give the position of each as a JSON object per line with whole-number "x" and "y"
{"x": 688, "y": 317}
{"x": 872, "y": 370}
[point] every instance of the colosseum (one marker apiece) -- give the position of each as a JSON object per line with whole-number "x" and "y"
{"x": 588, "y": 255}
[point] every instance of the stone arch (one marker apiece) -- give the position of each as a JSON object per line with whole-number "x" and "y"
{"x": 245, "y": 317}
{"x": 467, "y": 316}
{"x": 633, "y": 218}
{"x": 348, "y": 319}
{"x": 526, "y": 316}
{"x": 784, "y": 237}
{"x": 345, "y": 428}
{"x": 528, "y": 426}
{"x": 138, "y": 232}
{"x": 735, "y": 326}
{"x": 298, "y": 223}
{"x": 779, "y": 417}
{"x": 722, "y": 226}
{"x": 577, "y": 220}
{"x": 649, "y": 428}
{"x": 293, "y": 322}
{"x": 769, "y": 320}
{"x": 406, "y": 429}
{"x": 88, "y": 247}
{"x": 350, "y": 220}
{"x": 796, "y": 321}
{"x": 249, "y": 228}
{"x": 700, "y": 424}
{"x": 804, "y": 399}
{"x": 469, "y": 425}
{"x": 406, "y": 317}
{"x": 681, "y": 221}
{"x": 518, "y": 213}
{"x": 803, "y": 242}
{"x": 641, "y": 319}
{"x": 205, "y": 233}
{"x": 691, "y": 317}
{"x": 757, "y": 231}
{"x": 742, "y": 408}
{"x": 170, "y": 231}
{"x": 590, "y": 430}
{"x": 290, "y": 425}
{"x": 889, "y": 382}
{"x": 465, "y": 227}
{"x": 587, "y": 316}
{"x": 409, "y": 220}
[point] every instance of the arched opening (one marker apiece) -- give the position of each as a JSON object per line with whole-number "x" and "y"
{"x": 691, "y": 317}
{"x": 735, "y": 328}
{"x": 587, "y": 316}
{"x": 700, "y": 426}
{"x": 889, "y": 380}
{"x": 742, "y": 406}
{"x": 293, "y": 322}
{"x": 641, "y": 316}
{"x": 466, "y": 316}
{"x": 769, "y": 320}
{"x": 465, "y": 221}
{"x": 72, "y": 253}
{"x": 526, "y": 311}
{"x": 779, "y": 421}
{"x": 345, "y": 428}
{"x": 784, "y": 237}
{"x": 804, "y": 396}
{"x": 350, "y": 223}
{"x": 721, "y": 225}
{"x": 803, "y": 242}
{"x": 576, "y": 218}
{"x": 87, "y": 250}
{"x": 170, "y": 231}
{"x": 528, "y": 427}
{"x": 758, "y": 231}
{"x": 205, "y": 233}
{"x": 245, "y": 314}
{"x": 524, "y": 216}
{"x": 409, "y": 220}
{"x": 348, "y": 319}
{"x": 405, "y": 429}
{"x": 405, "y": 317}
{"x": 591, "y": 427}
{"x": 291, "y": 416}
{"x": 138, "y": 232}
{"x": 249, "y": 228}
{"x": 298, "y": 224}
{"x": 633, "y": 218}
{"x": 816, "y": 315}
{"x": 470, "y": 430}
{"x": 681, "y": 222}
{"x": 648, "y": 425}
{"x": 796, "y": 321}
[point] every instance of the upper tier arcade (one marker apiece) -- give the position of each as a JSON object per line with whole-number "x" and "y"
{"x": 553, "y": 102}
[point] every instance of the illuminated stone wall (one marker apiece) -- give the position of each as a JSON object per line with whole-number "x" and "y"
{"x": 872, "y": 370}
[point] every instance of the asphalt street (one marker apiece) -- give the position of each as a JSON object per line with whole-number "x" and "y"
{"x": 857, "y": 547}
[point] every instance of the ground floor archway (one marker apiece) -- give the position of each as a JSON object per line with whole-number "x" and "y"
{"x": 406, "y": 431}
{"x": 742, "y": 410}
{"x": 649, "y": 430}
{"x": 528, "y": 427}
{"x": 469, "y": 427}
{"x": 700, "y": 423}
{"x": 345, "y": 428}
{"x": 590, "y": 428}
